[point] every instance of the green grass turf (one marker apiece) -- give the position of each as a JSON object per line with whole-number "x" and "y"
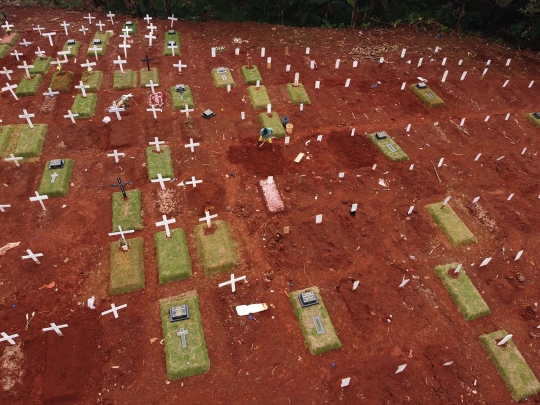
{"x": 125, "y": 81}
{"x": 30, "y": 140}
{"x": 41, "y": 65}
{"x": 217, "y": 250}
{"x": 6, "y": 131}
{"x": 127, "y": 213}
{"x": 251, "y": 75}
{"x": 4, "y": 50}
{"x": 434, "y": 102}
{"x": 178, "y": 103}
{"x": 534, "y": 120}
{"x": 259, "y": 97}
{"x": 92, "y": 79}
{"x": 104, "y": 36}
{"x": 298, "y": 94}
{"x": 28, "y": 87}
{"x": 190, "y": 360}
{"x": 84, "y": 106}
{"x": 512, "y": 367}
{"x": 146, "y": 76}
{"x": 172, "y": 256}
{"x": 273, "y": 122}
{"x": 73, "y": 49}
{"x": 133, "y": 28}
{"x": 467, "y": 298}
{"x": 316, "y": 343}
{"x": 171, "y": 37}
{"x": 159, "y": 163}
{"x": 218, "y": 80}
{"x": 62, "y": 82}
{"x": 451, "y": 225}
{"x": 127, "y": 267}
{"x": 398, "y": 156}
{"x": 60, "y": 187}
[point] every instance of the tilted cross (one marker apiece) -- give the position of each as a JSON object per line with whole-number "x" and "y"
{"x": 120, "y": 62}
{"x": 33, "y": 256}
{"x": 111, "y": 15}
{"x": 9, "y": 339}
{"x": 166, "y": 223}
{"x": 10, "y": 87}
{"x": 40, "y": 198}
{"x": 179, "y": 66}
{"x": 121, "y": 185}
{"x": 40, "y": 53}
{"x": 161, "y": 181}
{"x": 147, "y": 60}
{"x": 154, "y": 110}
{"x": 50, "y": 35}
{"x": 232, "y": 282}
{"x": 208, "y": 218}
{"x": 65, "y": 25}
{"x": 126, "y": 31}
{"x": 7, "y": 26}
{"x": 89, "y": 18}
{"x": 152, "y": 85}
{"x": 191, "y": 145}
{"x": 71, "y": 116}
{"x": 120, "y": 231}
{"x": 83, "y": 88}
{"x": 56, "y": 328}
{"x": 194, "y": 181}
{"x": 116, "y": 155}
{"x": 187, "y": 110}
{"x": 88, "y": 64}
{"x": 51, "y": 93}
{"x": 16, "y": 54}
{"x": 172, "y": 19}
{"x": 156, "y": 142}
{"x": 26, "y": 68}
{"x": 117, "y": 111}
{"x": 114, "y": 309}
{"x": 4, "y": 206}
{"x": 14, "y": 159}
{"x": 6, "y": 72}
{"x": 28, "y": 116}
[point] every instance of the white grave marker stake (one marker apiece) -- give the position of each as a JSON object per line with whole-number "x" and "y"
{"x": 14, "y": 159}
{"x": 460, "y": 62}
{"x": 116, "y": 155}
{"x": 71, "y": 116}
{"x": 355, "y": 285}
{"x": 403, "y": 53}
{"x": 347, "y": 82}
{"x": 287, "y": 68}
{"x": 475, "y": 200}
{"x": 505, "y": 83}
{"x": 345, "y": 382}
{"x": 420, "y": 62}
{"x": 243, "y": 115}
{"x": 443, "y": 62}
{"x": 531, "y": 84}
{"x": 296, "y": 79}
{"x": 317, "y": 84}
{"x": 318, "y": 219}
{"x": 462, "y": 122}
{"x": 408, "y": 128}
{"x": 440, "y": 162}
{"x": 263, "y": 52}
{"x": 518, "y": 255}
{"x": 463, "y": 76}
{"x": 508, "y": 62}
{"x": 237, "y": 51}
{"x": 485, "y": 262}
{"x": 337, "y": 64}
{"x": 403, "y": 86}
{"x": 400, "y": 368}
{"x": 445, "y": 201}
{"x": 507, "y": 337}
{"x": 486, "y": 119}
{"x": 355, "y": 63}
{"x": 477, "y": 157}
{"x": 166, "y": 223}
{"x": 353, "y": 131}
{"x": 510, "y": 197}
{"x": 411, "y": 209}
{"x": 444, "y": 76}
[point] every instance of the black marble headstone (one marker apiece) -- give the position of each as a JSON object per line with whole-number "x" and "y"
{"x": 178, "y": 313}
{"x": 421, "y": 86}
{"x": 380, "y": 135}
{"x": 56, "y": 164}
{"x": 308, "y": 298}
{"x": 537, "y": 115}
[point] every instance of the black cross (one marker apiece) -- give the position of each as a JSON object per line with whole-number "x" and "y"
{"x": 121, "y": 185}
{"x": 147, "y": 60}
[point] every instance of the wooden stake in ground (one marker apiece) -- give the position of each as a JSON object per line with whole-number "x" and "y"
{"x": 249, "y": 62}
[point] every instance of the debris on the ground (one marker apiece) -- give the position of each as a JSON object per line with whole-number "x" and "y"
{"x": 7, "y": 247}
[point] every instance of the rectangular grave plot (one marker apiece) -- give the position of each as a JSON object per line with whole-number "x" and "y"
{"x": 179, "y": 101}
{"x": 6, "y": 131}
{"x": 73, "y": 49}
{"x": 223, "y": 79}
{"x": 465, "y": 295}
{"x": 534, "y": 119}
{"x": 259, "y": 97}
{"x": 388, "y": 146}
{"x": 273, "y": 121}
{"x": 173, "y": 259}
{"x": 512, "y": 367}
{"x": 171, "y": 38}
{"x": 217, "y": 249}
{"x": 84, "y": 106}
{"x": 127, "y": 267}
{"x": 428, "y": 96}
{"x": 179, "y": 313}
{"x": 28, "y": 87}
{"x": 272, "y": 197}
{"x": 41, "y": 65}
{"x": 298, "y": 94}
{"x": 251, "y": 75}
{"x": 146, "y": 76}
{"x": 60, "y": 187}
{"x": 62, "y": 81}
{"x": 316, "y": 341}
{"x": 124, "y": 81}
{"x": 30, "y": 140}
{"x": 193, "y": 359}
{"x": 104, "y": 37}
{"x": 127, "y": 212}
{"x": 451, "y": 225}
{"x": 92, "y": 79}
{"x": 132, "y": 26}
{"x": 159, "y": 163}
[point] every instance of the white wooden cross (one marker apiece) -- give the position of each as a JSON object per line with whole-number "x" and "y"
{"x": 182, "y": 333}
{"x": 179, "y": 66}
{"x": 54, "y": 176}
{"x": 232, "y": 282}
{"x": 111, "y": 15}
{"x": 120, "y": 62}
{"x": 172, "y": 46}
{"x": 4, "y": 206}
{"x": 50, "y": 35}
{"x": 56, "y": 328}
{"x": 40, "y": 53}
{"x": 100, "y": 25}
{"x": 28, "y": 116}
{"x": 14, "y": 159}
{"x": 64, "y": 54}
{"x": 147, "y": 19}
{"x": 124, "y": 46}
{"x": 150, "y": 37}
{"x": 121, "y": 233}
{"x": 6, "y": 72}
{"x": 208, "y": 218}
{"x": 124, "y": 37}
{"x": 95, "y": 49}
{"x": 88, "y": 64}
{"x": 39, "y": 28}
{"x": 16, "y": 54}
{"x": 58, "y": 62}
{"x": 194, "y": 181}
{"x": 191, "y": 145}
{"x": 25, "y": 43}
{"x": 10, "y": 87}
{"x": 154, "y": 110}
{"x": 156, "y": 142}
{"x": 40, "y": 198}
{"x": 83, "y": 88}
{"x": 161, "y": 181}
{"x": 71, "y": 116}
{"x": 126, "y": 31}
{"x": 187, "y": 110}
{"x": 117, "y": 111}
{"x": 65, "y": 25}
{"x": 152, "y": 85}
{"x": 89, "y": 18}
{"x": 6, "y": 337}
{"x": 172, "y": 19}
{"x": 116, "y": 155}
{"x": 7, "y": 25}
{"x": 114, "y": 309}
{"x": 26, "y": 68}
{"x": 83, "y": 29}
{"x": 33, "y": 256}
{"x": 166, "y": 223}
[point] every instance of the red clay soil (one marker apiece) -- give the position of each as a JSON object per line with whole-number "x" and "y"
{"x": 264, "y": 360}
